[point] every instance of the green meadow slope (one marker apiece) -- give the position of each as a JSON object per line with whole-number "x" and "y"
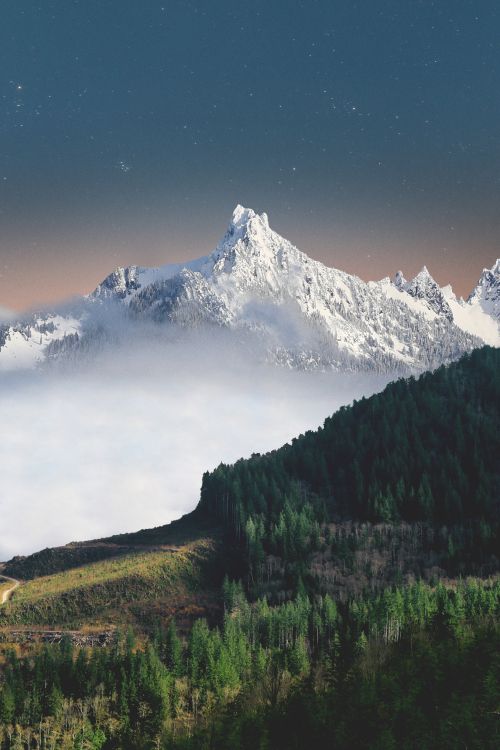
{"x": 173, "y": 570}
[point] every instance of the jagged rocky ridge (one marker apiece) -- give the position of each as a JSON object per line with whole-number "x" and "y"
{"x": 257, "y": 284}
{"x": 423, "y": 287}
{"x": 487, "y": 292}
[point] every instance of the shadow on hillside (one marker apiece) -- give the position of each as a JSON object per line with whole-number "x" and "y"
{"x": 186, "y": 530}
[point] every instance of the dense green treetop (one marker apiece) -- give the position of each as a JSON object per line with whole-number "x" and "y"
{"x": 424, "y": 449}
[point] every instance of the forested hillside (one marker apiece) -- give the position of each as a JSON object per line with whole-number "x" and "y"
{"x": 424, "y": 452}
{"x": 419, "y": 666}
{"x": 359, "y": 608}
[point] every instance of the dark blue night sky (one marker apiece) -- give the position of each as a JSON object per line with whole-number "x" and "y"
{"x": 369, "y": 131}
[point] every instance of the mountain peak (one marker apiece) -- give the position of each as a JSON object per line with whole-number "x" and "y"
{"x": 248, "y": 234}
{"x": 487, "y": 291}
{"x": 422, "y": 281}
{"x": 424, "y": 275}
{"x": 424, "y": 287}
{"x": 243, "y": 217}
{"x": 399, "y": 280}
{"x": 119, "y": 283}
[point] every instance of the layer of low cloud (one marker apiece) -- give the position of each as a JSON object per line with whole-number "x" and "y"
{"x": 123, "y": 444}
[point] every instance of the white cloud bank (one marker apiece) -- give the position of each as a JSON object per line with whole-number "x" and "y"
{"x": 124, "y": 445}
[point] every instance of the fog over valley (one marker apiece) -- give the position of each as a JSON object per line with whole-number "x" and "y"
{"x": 121, "y": 443}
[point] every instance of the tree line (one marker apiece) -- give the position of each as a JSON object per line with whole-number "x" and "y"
{"x": 423, "y": 451}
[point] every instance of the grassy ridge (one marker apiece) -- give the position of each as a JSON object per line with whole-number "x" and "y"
{"x": 57, "y": 559}
{"x": 122, "y": 589}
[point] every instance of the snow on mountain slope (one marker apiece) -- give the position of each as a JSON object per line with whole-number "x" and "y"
{"x": 474, "y": 319}
{"x": 424, "y": 287}
{"x": 25, "y": 345}
{"x": 304, "y": 314}
{"x": 478, "y": 316}
{"x": 486, "y": 294}
{"x": 399, "y": 281}
{"x": 124, "y": 282}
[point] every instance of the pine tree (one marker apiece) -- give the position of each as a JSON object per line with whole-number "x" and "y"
{"x": 173, "y": 650}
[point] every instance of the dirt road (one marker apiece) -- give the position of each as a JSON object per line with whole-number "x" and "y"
{"x": 8, "y": 592}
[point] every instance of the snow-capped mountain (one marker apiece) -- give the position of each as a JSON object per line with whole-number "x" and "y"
{"x": 257, "y": 284}
{"x": 479, "y": 315}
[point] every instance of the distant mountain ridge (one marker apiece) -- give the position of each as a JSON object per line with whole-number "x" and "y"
{"x": 423, "y": 287}
{"x": 303, "y": 313}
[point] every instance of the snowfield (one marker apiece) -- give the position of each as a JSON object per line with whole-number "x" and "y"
{"x": 25, "y": 346}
